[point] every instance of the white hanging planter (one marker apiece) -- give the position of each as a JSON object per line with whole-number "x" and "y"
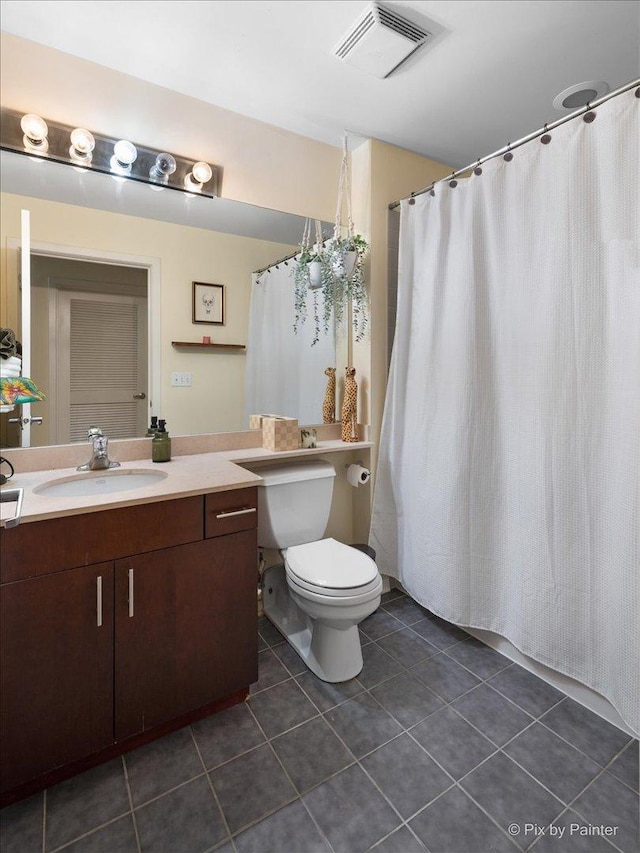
{"x": 315, "y": 275}
{"x": 350, "y": 259}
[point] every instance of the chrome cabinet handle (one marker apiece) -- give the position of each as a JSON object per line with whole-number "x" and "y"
{"x": 130, "y": 592}
{"x": 140, "y": 396}
{"x": 236, "y": 512}
{"x": 99, "y": 601}
{"x": 8, "y": 496}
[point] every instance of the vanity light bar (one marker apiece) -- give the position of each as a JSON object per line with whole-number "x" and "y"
{"x": 38, "y": 138}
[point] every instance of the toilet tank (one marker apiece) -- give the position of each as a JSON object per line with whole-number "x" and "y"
{"x": 294, "y": 501}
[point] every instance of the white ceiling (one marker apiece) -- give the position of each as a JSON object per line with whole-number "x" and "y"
{"x": 487, "y": 77}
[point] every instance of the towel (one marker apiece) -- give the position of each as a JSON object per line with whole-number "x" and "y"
{"x": 8, "y": 345}
{"x": 8, "y": 371}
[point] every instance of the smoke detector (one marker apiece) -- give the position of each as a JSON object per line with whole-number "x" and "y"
{"x": 379, "y": 41}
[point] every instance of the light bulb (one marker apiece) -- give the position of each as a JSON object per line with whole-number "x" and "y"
{"x": 202, "y": 172}
{"x": 35, "y": 132}
{"x": 199, "y": 175}
{"x": 164, "y": 166}
{"x": 124, "y": 154}
{"x": 82, "y": 145}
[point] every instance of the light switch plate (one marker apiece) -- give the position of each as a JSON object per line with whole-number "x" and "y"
{"x": 181, "y": 380}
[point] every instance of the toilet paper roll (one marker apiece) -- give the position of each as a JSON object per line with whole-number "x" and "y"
{"x": 357, "y": 475}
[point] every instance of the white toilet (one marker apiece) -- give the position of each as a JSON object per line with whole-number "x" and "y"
{"x": 324, "y": 589}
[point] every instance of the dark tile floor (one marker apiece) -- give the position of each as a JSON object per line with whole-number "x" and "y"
{"x": 441, "y": 744}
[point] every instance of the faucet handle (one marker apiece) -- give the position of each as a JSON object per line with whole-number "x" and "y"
{"x": 94, "y": 432}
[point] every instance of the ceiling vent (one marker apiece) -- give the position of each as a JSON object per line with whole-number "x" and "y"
{"x": 379, "y": 41}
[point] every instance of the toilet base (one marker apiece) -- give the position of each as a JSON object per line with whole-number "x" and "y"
{"x": 330, "y": 649}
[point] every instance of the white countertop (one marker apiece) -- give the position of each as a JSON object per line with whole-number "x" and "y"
{"x": 195, "y": 474}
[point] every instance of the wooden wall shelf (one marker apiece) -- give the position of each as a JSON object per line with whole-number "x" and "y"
{"x": 200, "y": 345}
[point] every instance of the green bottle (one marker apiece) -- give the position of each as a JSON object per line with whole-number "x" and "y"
{"x": 153, "y": 428}
{"x": 161, "y": 444}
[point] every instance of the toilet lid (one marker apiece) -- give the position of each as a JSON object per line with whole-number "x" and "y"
{"x": 328, "y": 564}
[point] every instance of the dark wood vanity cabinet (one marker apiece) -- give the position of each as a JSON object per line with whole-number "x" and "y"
{"x": 185, "y": 628}
{"x": 57, "y": 670}
{"x": 94, "y": 654}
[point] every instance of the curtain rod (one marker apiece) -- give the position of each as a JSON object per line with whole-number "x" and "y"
{"x": 284, "y": 260}
{"x": 511, "y": 145}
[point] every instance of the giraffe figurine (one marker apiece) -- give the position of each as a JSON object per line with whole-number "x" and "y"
{"x": 350, "y": 406}
{"x": 329, "y": 402}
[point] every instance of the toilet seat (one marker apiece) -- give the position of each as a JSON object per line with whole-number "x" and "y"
{"x": 331, "y": 569}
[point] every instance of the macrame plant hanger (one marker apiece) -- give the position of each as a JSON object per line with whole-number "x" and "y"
{"x": 344, "y": 192}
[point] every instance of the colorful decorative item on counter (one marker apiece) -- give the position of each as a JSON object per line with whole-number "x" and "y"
{"x": 280, "y": 433}
{"x": 350, "y": 406}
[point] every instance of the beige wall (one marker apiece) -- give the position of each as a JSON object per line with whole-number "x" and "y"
{"x": 215, "y": 401}
{"x": 382, "y": 174}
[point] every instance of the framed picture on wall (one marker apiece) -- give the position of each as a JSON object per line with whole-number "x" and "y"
{"x": 208, "y": 303}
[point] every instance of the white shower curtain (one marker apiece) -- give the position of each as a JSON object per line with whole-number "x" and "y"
{"x": 284, "y": 373}
{"x": 508, "y": 484}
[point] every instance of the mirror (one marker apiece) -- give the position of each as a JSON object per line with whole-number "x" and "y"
{"x": 172, "y": 239}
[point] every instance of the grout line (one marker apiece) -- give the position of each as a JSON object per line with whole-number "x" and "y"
{"x": 168, "y": 791}
{"x": 614, "y": 759}
{"x": 89, "y": 832}
{"x": 581, "y": 815}
{"x": 557, "y": 734}
{"x": 130, "y": 796}
{"x": 211, "y": 785}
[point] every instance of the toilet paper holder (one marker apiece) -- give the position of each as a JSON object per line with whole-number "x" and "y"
{"x": 357, "y": 474}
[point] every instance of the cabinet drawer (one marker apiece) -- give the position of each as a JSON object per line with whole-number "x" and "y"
{"x": 230, "y": 512}
{"x": 56, "y": 544}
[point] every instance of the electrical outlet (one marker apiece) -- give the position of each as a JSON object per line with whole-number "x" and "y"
{"x": 181, "y": 380}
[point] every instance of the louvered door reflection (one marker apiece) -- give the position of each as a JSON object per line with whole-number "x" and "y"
{"x": 107, "y": 364}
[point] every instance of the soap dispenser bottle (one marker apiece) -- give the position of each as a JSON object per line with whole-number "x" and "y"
{"x": 153, "y": 428}
{"x": 161, "y": 444}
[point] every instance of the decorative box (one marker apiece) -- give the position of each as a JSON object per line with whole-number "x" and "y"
{"x": 280, "y": 433}
{"x": 255, "y": 421}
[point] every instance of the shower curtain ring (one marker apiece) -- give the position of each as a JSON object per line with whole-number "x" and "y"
{"x": 508, "y": 157}
{"x": 589, "y": 115}
{"x": 477, "y": 170}
{"x": 453, "y": 182}
{"x": 546, "y": 137}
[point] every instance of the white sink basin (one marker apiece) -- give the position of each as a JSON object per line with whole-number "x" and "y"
{"x": 100, "y": 483}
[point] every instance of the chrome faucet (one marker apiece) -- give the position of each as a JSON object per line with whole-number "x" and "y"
{"x": 99, "y": 456}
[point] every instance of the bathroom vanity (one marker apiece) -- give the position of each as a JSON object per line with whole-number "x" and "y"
{"x": 116, "y": 623}
{"x": 126, "y": 614}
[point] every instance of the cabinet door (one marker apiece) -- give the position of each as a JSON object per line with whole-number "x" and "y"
{"x": 185, "y": 626}
{"x": 56, "y": 670}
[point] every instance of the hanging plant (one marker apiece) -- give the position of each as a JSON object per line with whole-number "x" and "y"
{"x": 345, "y": 256}
{"x": 336, "y": 268}
{"x": 311, "y": 273}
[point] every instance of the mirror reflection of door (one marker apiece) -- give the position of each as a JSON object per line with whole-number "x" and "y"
{"x": 89, "y": 346}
